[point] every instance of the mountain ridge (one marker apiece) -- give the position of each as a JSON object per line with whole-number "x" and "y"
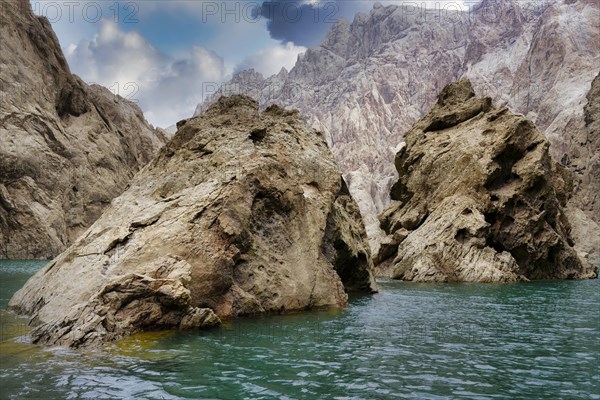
{"x": 381, "y": 72}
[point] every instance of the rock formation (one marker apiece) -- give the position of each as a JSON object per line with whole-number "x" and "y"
{"x": 371, "y": 79}
{"x": 66, "y": 148}
{"x": 584, "y": 159}
{"x": 479, "y": 199}
{"x": 241, "y": 213}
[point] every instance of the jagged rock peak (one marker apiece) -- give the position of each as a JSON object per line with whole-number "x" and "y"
{"x": 456, "y": 93}
{"x": 243, "y": 212}
{"x": 478, "y": 199}
{"x": 237, "y": 101}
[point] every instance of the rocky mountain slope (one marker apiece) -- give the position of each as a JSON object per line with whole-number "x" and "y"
{"x": 584, "y": 159}
{"x": 66, "y": 148}
{"x": 371, "y": 79}
{"x": 241, "y": 213}
{"x": 479, "y": 199}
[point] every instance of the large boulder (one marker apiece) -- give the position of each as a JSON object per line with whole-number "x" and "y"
{"x": 66, "y": 148}
{"x": 478, "y": 199}
{"x": 241, "y": 213}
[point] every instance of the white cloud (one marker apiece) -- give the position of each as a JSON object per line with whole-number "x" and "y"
{"x": 270, "y": 60}
{"x": 167, "y": 89}
{"x": 169, "y": 82}
{"x": 183, "y": 85}
{"x": 116, "y": 56}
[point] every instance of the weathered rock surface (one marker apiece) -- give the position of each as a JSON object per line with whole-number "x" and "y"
{"x": 66, "y": 148}
{"x": 479, "y": 199}
{"x": 584, "y": 159}
{"x": 371, "y": 79}
{"x": 241, "y": 213}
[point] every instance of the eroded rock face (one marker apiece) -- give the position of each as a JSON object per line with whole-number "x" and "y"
{"x": 241, "y": 213}
{"x": 66, "y": 148}
{"x": 479, "y": 199}
{"x": 584, "y": 159}
{"x": 372, "y": 78}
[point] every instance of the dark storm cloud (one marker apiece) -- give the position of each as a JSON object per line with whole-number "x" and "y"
{"x": 305, "y": 23}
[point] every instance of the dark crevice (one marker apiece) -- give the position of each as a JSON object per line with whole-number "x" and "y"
{"x": 506, "y": 222}
{"x": 53, "y": 143}
{"x": 521, "y": 255}
{"x": 504, "y": 174}
{"x": 551, "y": 219}
{"x": 532, "y": 147}
{"x": 347, "y": 265}
{"x": 71, "y": 101}
{"x": 462, "y": 235}
{"x": 400, "y": 192}
{"x": 118, "y": 241}
{"x": 197, "y": 215}
{"x": 145, "y": 222}
{"x": 351, "y": 268}
{"x": 258, "y": 134}
{"x": 449, "y": 120}
{"x": 497, "y": 246}
{"x": 491, "y": 218}
{"x": 537, "y": 187}
{"x": 344, "y": 188}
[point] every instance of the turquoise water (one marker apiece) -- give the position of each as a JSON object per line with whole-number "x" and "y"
{"x": 522, "y": 341}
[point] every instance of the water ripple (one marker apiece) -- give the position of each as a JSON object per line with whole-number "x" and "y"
{"x": 523, "y": 341}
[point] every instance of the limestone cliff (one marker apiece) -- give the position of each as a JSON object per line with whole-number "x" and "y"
{"x": 66, "y": 148}
{"x": 241, "y": 213}
{"x": 479, "y": 199}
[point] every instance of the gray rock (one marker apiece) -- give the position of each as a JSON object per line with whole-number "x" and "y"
{"x": 584, "y": 159}
{"x": 66, "y": 148}
{"x": 479, "y": 199}
{"x": 370, "y": 79}
{"x": 241, "y": 213}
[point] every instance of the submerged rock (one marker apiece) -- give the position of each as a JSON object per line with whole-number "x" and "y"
{"x": 478, "y": 199}
{"x": 241, "y": 213}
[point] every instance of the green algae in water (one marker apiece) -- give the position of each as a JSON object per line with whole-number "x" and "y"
{"x": 521, "y": 341}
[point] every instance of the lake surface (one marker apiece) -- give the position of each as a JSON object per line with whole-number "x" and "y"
{"x": 413, "y": 341}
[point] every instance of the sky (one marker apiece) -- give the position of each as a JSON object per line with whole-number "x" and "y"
{"x": 167, "y": 55}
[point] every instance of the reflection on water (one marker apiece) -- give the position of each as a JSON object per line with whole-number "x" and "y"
{"x": 523, "y": 341}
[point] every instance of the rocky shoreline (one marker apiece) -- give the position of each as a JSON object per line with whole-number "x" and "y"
{"x": 246, "y": 211}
